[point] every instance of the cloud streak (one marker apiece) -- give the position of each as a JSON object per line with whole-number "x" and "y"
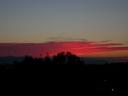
{"x": 81, "y": 48}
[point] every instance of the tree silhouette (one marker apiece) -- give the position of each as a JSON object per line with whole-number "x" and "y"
{"x": 60, "y": 58}
{"x": 101, "y": 80}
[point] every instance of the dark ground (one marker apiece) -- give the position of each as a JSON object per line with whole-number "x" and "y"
{"x": 104, "y": 80}
{"x": 67, "y": 75}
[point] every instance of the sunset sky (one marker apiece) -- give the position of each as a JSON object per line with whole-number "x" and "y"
{"x": 99, "y": 26}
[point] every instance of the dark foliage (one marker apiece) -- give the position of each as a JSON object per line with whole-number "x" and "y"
{"x": 66, "y": 72}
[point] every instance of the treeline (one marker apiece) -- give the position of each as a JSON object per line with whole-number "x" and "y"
{"x": 60, "y": 58}
{"x": 102, "y": 80}
{"x": 65, "y": 60}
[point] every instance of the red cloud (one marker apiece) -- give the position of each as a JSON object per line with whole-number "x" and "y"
{"x": 76, "y": 47}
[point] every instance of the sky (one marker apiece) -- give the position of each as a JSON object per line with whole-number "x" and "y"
{"x": 42, "y": 21}
{"x": 79, "y": 48}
